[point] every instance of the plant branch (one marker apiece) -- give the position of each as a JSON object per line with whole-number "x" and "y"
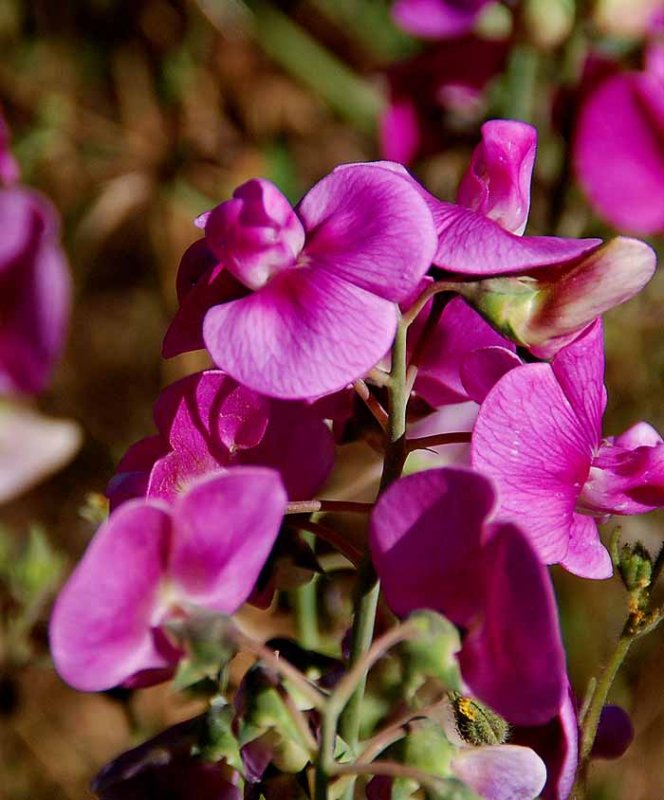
{"x": 331, "y": 506}
{"x": 378, "y": 412}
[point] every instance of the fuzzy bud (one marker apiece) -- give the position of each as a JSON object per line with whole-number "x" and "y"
{"x": 476, "y": 723}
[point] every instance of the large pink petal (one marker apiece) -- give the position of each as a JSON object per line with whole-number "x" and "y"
{"x": 501, "y": 772}
{"x": 528, "y": 438}
{"x": 370, "y": 227}
{"x": 514, "y": 659}
{"x": 472, "y": 244}
{"x": 225, "y": 527}
{"x": 579, "y": 369}
{"x": 305, "y": 334}
{"x": 425, "y": 538}
{"x": 615, "y": 128}
{"x": 586, "y": 555}
{"x": 101, "y": 626}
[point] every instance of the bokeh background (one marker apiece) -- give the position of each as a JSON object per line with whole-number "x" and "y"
{"x": 134, "y": 116}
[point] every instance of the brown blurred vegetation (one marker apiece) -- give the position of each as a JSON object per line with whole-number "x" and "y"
{"x": 134, "y": 116}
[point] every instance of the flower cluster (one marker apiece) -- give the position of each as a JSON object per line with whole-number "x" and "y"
{"x": 314, "y": 316}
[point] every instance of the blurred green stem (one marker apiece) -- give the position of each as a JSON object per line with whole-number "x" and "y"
{"x": 521, "y": 83}
{"x": 306, "y": 607}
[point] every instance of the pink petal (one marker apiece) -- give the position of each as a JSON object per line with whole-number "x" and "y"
{"x": 528, "y": 438}
{"x": 255, "y": 234}
{"x": 497, "y": 183}
{"x": 299, "y": 445}
{"x": 483, "y": 368}
{"x": 579, "y": 369}
{"x": 586, "y": 555}
{"x": 615, "y": 127}
{"x": 459, "y": 332}
{"x": 501, "y": 772}
{"x": 399, "y": 131}
{"x": 642, "y": 434}
{"x": 625, "y": 481}
{"x": 425, "y": 539}
{"x": 305, "y": 334}
{"x": 225, "y": 527}
{"x": 436, "y": 19}
{"x": 101, "y": 626}
{"x": 472, "y": 244}
{"x": 32, "y": 447}
{"x": 514, "y": 660}
{"x": 370, "y": 227}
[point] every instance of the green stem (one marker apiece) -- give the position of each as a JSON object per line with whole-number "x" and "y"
{"x": 521, "y": 82}
{"x": 590, "y": 721}
{"x": 306, "y": 607}
{"x": 368, "y": 587}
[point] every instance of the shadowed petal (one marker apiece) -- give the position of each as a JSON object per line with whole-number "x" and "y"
{"x": 425, "y": 538}
{"x": 101, "y": 626}
{"x": 514, "y": 660}
{"x": 483, "y": 368}
{"x": 225, "y": 527}
{"x": 305, "y": 334}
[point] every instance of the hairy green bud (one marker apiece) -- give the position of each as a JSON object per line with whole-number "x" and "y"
{"x": 476, "y": 723}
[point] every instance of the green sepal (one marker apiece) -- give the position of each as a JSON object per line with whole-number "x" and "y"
{"x": 431, "y": 652}
{"x": 209, "y": 642}
{"x": 217, "y": 740}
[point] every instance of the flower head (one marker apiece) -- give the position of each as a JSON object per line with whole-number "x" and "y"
{"x": 434, "y": 546}
{"x": 538, "y": 435}
{"x": 296, "y": 304}
{"x": 150, "y": 563}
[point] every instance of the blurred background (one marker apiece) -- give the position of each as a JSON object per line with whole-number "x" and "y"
{"x": 134, "y": 116}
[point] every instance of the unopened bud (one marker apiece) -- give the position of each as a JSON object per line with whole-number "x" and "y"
{"x": 431, "y": 651}
{"x": 635, "y": 567}
{"x": 476, "y": 723}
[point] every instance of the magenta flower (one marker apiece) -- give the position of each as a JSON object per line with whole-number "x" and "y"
{"x": 621, "y": 124}
{"x": 35, "y": 291}
{"x": 300, "y": 303}
{"x": 435, "y": 545}
{"x": 9, "y": 169}
{"x": 207, "y": 422}
{"x": 150, "y": 563}
{"x": 435, "y": 93}
{"x": 437, "y": 19}
{"x": 538, "y": 435}
{"x": 541, "y": 291}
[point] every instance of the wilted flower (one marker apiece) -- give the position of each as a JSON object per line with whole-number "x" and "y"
{"x": 539, "y": 436}
{"x": 324, "y": 279}
{"x": 149, "y": 564}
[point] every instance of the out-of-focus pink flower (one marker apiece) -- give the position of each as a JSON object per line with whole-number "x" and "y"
{"x": 34, "y": 282}
{"x": 615, "y": 733}
{"x": 9, "y": 169}
{"x": 619, "y": 147}
{"x": 151, "y": 563}
{"x": 538, "y": 434}
{"x": 32, "y": 447}
{"x": 325, "y": 280}
{"x": 207, "y": 422}
{"x": 435, "y": 545}
{"x": 435, "y": 94}
{"x": 437, "y": 19}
